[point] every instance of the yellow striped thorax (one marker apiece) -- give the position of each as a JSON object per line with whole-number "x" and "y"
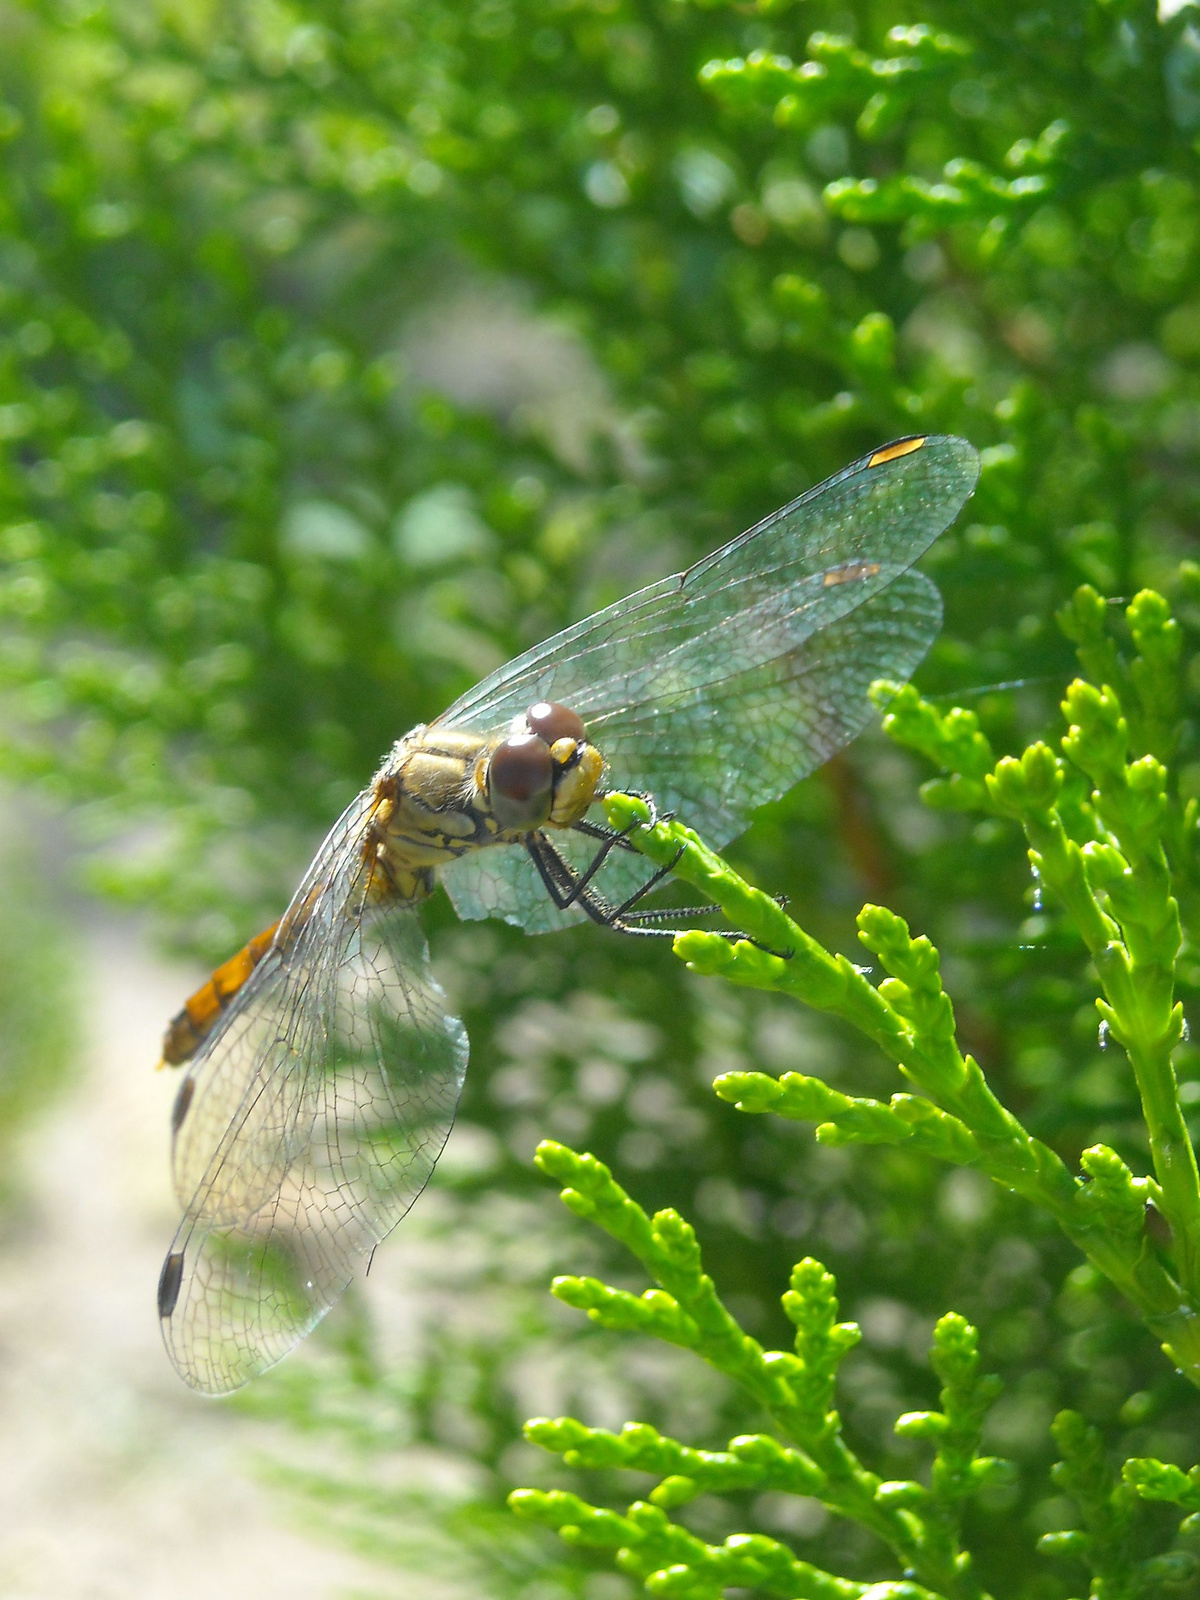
{"x": 443, "y": 792}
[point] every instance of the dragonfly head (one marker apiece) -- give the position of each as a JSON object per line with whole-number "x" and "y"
{"x": 544, "y": 770}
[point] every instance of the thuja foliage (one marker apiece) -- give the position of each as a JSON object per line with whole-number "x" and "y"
{"x": 288, "y": 459}
{"x": 1113, "y": 844}
{"x": 794, "y": 1392}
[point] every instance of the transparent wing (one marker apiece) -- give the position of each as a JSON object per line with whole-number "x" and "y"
{"x": 316, "y": 1114}
{"x": 720, "y": 688}
{"x": 825, "y": 705}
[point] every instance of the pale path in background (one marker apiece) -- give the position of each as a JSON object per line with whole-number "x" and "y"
{"x": 116, "y": 1483}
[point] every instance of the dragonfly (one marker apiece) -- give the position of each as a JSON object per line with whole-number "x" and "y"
{"x": 322, "y": 1065}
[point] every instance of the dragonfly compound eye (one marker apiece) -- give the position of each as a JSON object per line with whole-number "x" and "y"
{"x": 554, "y": 722}
{"x": 520, "y": 778}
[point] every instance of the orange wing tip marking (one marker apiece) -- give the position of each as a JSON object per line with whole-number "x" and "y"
{"x": 893, "y": 452}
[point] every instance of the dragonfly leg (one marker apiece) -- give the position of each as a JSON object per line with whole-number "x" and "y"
{"x": 567, "y": 888}
{"x": 651, "y": 883}
{"x": 597, "y": 830}
{"x": 676, "y": 912}
{"x": 662, "y": 913}
{"x": 573, "y": 883}
{"x": 551, "y": 868}
{"x": 610, "y": 839}
{"x": 581, "y": 882}
{"x": 625, "y": 914}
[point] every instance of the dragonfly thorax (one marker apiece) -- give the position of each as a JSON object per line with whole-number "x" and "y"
{"x": 445, "y": 792}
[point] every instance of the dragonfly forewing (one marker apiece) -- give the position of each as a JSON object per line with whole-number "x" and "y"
{"x": 714, "y": 750}
{"x": 887, "y": 514}
{"x": 718, "y": 689}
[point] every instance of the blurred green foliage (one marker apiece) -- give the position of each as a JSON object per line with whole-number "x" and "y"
{"x": 347, "y": 349}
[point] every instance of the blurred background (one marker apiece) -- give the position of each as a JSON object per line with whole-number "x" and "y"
{"x": 345, "y": 351}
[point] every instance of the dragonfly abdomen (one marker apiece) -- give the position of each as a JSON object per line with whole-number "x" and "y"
{"x": 188, "y": 1030}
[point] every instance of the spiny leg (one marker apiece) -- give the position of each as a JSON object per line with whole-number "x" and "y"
{"x": 613, "y": 839}
{"x": 568, "y": 888}
{"x": 573, "y": 884}
{"x": 561, "y": 882}
{"x": 662, "y": 914}
{"x": 609, "y": 839}
{"x": 624, "y": 913}
{"x": 608, "y": 836}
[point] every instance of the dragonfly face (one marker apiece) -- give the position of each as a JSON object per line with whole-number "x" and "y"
{"x": 323, "y": 1067}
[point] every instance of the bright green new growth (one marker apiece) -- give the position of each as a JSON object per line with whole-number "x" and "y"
{"x": 1099, "y": 820}
{"x": 1111, "y": 841}
{"x": 806, "y": 1454}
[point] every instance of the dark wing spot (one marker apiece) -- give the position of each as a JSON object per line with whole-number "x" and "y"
{"x": 182, "y": 1102}
{"x": 168, "y": 1283}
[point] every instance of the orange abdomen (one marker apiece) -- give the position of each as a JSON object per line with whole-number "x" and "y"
{"x": 188, "y": 1031}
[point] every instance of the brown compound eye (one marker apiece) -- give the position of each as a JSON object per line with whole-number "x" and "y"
{"x": 520, "y": 776}
{"x": 554, "y": 722}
